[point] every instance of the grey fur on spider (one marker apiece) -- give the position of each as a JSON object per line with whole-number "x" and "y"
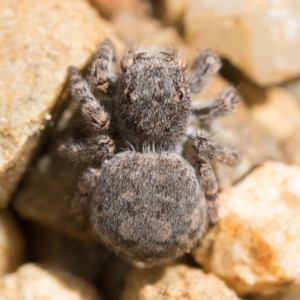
{"x": 147, "y": 203}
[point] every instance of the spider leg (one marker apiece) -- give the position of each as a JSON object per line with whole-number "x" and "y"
{"x": 206, "y": 64}
{"x": 90, "y": 108}
{"x": 205, "y": 147}
{"x": 102, "y": 75}
{"x": 92, "y": 153}
{"x": 209, "y": 185}
{"x": 224, "y": 104}
{"x": 80, "y": 200}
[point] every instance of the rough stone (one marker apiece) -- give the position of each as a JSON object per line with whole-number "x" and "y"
{"x": 293, "y": 86}
{"x": 291, "y": 146}
{"x": 171, "y": 12}
{"x": 12, "y": 245}
{"x": 110, "y": 8}
{"x": 175, "y": 282}
{"x": 132, "y": 27}
{"x": 40, "y": 45}
{"x": 31, "y": 281}
{"x": 260, "y": 37}
{"x": 255, "y": 246}
{"x": 278, "y": 112}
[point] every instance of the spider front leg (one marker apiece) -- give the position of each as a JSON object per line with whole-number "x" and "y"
{"x": 224, "y": 104}
{"x": 206, "y": 148}
{"x": 90, "y": 108}
{"x": 92, "y": 153}
{"x": 102, "y": 75}
{"x": 209, "y": 185}
{"x": 206, "y": 64}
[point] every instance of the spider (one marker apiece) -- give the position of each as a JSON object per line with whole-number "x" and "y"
{"x": 148, "y": 203}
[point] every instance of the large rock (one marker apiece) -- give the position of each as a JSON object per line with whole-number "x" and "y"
{"x": 175, "y": 282}
{"x": 12, "y": 245}
{"x": 171, "y": 11}
{"x": 260, "y": 37}
{"x": 36, "y": 282}
{"x": 291, "y": 146}
{"x": 255, "y": 246}
{"x": 42, "y": 39}
{"x": 278, "y": 113}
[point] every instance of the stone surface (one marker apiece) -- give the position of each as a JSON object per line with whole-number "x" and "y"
{"x": 131, "y": 27}
{"x": 109, "y": 8}
{"x": 255, "y": 246}
{"x": 291, "y": 146}
{"x": 260, "y": 37}
{"x": 277, "y": 109}
{"x": 278, "y": 112}
{"x": 171, "y": 11}
{"x": 39, "y": 47}
{"x": 293, "y": 86}
{"x": 175, "y": 282}
{"x": 238, "y": 130}
{"x": 31, "y": 281}
{"x": 289, "y": 293}
{"x": 12, "y": 245}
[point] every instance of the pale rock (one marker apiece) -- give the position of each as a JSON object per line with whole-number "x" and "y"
{"x": 110, "y": 8}
{"x": 255, "y": 246}
{"x": 32, "y": 281}
{"x": 260, "y": 37}
{"x": 278, "y": 112}
{"x": 171, "y": 11}
{"x": 277, "y": 109}
{"x": 42, "y": 39}
{"x": 291, "y": 146}
{"x": 12, "y": 245}
{"x": 167, "y": 37}
{"x": 175, "y": 282}
{"x": 293, "y": 86}
{"x": 131, "y": 27}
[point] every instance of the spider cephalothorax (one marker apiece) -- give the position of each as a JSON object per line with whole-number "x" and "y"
{"x": 148, "y": 203}
{"x": 153, "y": 100}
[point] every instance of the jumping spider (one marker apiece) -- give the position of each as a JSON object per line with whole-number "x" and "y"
{"x": 148, "y": 203}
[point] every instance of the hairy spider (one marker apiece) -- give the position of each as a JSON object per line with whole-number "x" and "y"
{"x": 148, "y": 203}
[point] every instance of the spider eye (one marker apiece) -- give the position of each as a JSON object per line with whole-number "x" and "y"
{"x": 180, "y": 95}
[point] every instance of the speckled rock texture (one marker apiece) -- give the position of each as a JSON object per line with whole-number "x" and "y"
{"x": 32, "y": 281}
{"x": 260, "y": 37}
{"x": 175, "y": 282}
{"x": 42, "y": 39}
{"x": 255, "y": 246}
{"x": 12, "y": 244}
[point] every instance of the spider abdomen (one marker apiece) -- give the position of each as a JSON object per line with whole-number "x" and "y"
{"x": 148, "y": 206}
